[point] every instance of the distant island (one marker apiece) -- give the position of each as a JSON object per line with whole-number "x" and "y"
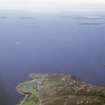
{"x": 60, "y": 89}
{"x": 3, "y": 17}
{"x": 26, "y": 18}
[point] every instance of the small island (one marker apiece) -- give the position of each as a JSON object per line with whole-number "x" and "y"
{"x": 60, "y": 89}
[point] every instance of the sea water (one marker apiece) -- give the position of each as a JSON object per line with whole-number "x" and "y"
{"x": 68, "y": 42}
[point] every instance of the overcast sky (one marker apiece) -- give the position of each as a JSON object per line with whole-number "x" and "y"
{"x": 50, "y": 4}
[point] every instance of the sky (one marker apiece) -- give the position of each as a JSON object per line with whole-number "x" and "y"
{"x": 50, "y": 4}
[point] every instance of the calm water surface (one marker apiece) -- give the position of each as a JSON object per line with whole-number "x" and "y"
{"x": 72, "y": 43}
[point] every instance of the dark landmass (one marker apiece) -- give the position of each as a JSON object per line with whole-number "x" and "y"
{"x": 60, "y": 89}
{"x": 26, "y": 18}
{"x": 3, "y": 17}
{"x": 91, "y": 23}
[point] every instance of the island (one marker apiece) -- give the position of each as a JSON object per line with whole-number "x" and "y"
{"x": 59, "y": 89}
